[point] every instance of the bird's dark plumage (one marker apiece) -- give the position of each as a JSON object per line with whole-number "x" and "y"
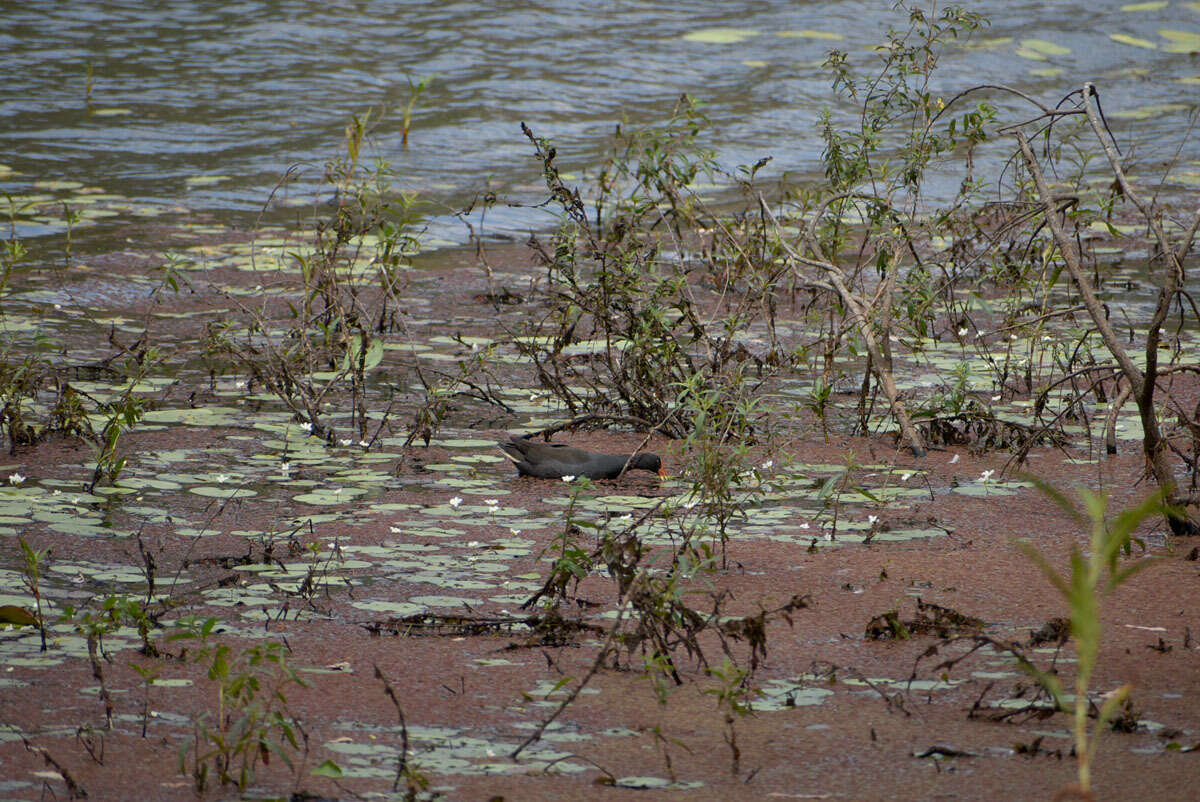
{"x": 554, "y": 460}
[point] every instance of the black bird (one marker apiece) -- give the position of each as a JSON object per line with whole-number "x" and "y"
{"x": 554, "y": 460}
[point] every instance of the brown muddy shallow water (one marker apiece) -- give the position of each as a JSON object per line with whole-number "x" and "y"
{"x": 448, "y": 530}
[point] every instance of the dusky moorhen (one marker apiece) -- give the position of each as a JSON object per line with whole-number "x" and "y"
{"x": 555, "y": 460}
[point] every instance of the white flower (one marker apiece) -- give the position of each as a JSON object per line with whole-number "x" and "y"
{"x": 964, "y": 331}
{"x": 474, "y": 544}
{"x": 221, "y": 478}
{"x": 515, "y": 532}
{"x": 985, "y": 476}
{"x": 346, "y": 442}
{"x": 15, "y": 479}
{"x": 954, "y": 459}
{"x": 365, "y": 443}
{"x": 995, "y": 398}
{"x": 56, "y": 493}
{"x": 904, "y": 477}
{"x": 285, "y": 467}
{"x": 491, "y": 502}
{"x": 306, "y": 426}
{"x": 396, "y": 529}
{"x": 804, "y": 526}
{"x": 568, "y": 478}
{"x": 872, "y": 519}
{"x": 766, "y": 466}
{"x": 454, "y": 502}
{"x": 240, "y": 385}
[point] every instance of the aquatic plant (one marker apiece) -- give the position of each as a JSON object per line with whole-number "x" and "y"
{"x": 622, "y": 328}
{"x": 348, "y": 279}
{"x": 1092, "y": 575}
{"x": 33, "y": 565}
{"x": 415, "y": 90}
{"x": 251, "y": 721}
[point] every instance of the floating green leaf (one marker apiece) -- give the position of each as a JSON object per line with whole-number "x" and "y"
{"x": 720, "y": 36}
{"x": 1126, "y": 39}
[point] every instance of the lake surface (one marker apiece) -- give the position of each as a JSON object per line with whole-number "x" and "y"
{"x": 203, "y": 106}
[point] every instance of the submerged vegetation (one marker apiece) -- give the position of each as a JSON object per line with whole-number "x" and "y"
{"x": 733, "y": 323}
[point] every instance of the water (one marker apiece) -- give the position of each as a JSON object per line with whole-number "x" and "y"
{"x": 236, "y": 93}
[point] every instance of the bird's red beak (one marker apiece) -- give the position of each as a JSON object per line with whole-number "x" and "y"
{"x": 662, "y": 473}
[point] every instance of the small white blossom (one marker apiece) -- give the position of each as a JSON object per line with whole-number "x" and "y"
{"x": 365, "y": 443}
{"x": 515, "y": 532}
{"x": 986, "y": 475}
{"x": 995, "y": 398}
{"x": 954, "y": 459}
{"x": 346, "y": 442}
{"x": 306, "y": 426}
{"x": 221, "y": 478}
{"x": 964, "y": 331}
{"x": 15, "y": 479}
{"x": 904, "y": 477}
{"x": 285, "y": 467}
{"x": 491, "y": 502}
{"x": 804, "y": 526}
{"x": 454, "y": 502}
{"x": 766, "y": 466}
{"x": 474, "y": 544}
{"x": 568, "y": 478}
{"x": 872, "y": 519}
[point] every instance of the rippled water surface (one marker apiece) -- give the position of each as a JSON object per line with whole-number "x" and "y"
{"x": 238, "y": 92}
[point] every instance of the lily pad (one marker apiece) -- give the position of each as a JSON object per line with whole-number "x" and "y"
{"x": 720, "y": 36}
